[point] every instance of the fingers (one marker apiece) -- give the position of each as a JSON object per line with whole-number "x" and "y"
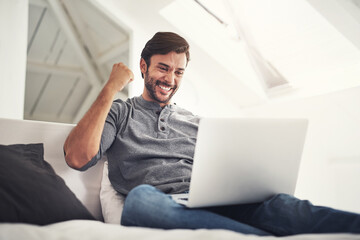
{"x": 120, "y": 76}
{"x": 123, "y": 68}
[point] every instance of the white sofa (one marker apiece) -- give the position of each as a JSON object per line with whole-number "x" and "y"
{"x": 86, "y": 186}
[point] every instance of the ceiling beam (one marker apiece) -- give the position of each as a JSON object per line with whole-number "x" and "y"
{"x": 53, "y": 69}
{"x": 93, "y": 75}
{"x": 100, "y": 58}
{"x": 113, "y": 52}
{"x": 72, "y": 35}
{"x": 40, "y": 3}
{"x": 74, "y": 12}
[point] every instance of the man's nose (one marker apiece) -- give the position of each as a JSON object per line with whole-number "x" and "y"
{"x": 170, "y": 77}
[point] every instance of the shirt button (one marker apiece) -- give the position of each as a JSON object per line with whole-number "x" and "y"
{"x": 157, "y": 112}
{"x": 162, "y": 128}
{"x": 161, "y": 119}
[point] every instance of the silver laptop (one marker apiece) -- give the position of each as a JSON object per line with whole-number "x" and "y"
{"x": 244, "y": 160}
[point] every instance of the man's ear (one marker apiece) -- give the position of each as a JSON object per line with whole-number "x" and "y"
{"x": 143, "y": 66}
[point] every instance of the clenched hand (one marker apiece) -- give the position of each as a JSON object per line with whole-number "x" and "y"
{"x": 120, "y": 76}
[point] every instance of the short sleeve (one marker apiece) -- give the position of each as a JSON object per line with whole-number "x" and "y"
{"x": 112, "y": 126}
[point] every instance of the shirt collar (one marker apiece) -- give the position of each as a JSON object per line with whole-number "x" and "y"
{"x": 151, "y": 105}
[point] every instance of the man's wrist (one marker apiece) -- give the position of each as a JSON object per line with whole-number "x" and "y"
{"x": 109, "y": 89}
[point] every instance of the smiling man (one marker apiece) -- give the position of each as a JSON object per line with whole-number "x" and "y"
{"x": 163, "y": 77}
{"x": 147, "y": 139}
{"x": 150, "y": 146}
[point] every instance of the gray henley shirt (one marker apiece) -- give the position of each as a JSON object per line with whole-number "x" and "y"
{"x": 147, "y": 144}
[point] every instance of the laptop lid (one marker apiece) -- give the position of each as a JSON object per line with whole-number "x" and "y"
{"x": 245, "y": 160}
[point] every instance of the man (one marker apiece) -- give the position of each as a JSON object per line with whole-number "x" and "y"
{"x": 150, "y": 145}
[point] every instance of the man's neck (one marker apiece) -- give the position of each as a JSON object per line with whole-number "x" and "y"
{"x": 149, "y": 99}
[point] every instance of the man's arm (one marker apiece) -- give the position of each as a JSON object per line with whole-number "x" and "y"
{"x": 83, "y": 142}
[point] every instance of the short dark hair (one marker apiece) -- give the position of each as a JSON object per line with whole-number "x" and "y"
{"x": 163, "y": 43}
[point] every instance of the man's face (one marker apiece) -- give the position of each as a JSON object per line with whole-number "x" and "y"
{"x": 163, "y": 76}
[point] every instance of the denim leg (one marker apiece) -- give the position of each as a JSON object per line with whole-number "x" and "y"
{"x": 145, "y": 206}
{"x": 285, "y": 215}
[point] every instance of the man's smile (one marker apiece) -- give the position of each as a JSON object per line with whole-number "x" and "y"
{"x": 165, "y": 89}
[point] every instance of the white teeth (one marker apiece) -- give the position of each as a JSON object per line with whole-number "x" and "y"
{"x": 165, "y": 88}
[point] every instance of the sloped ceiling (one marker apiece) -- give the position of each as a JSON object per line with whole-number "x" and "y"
{"x": 312, "y": 44}
{"x": 71, "y": 49}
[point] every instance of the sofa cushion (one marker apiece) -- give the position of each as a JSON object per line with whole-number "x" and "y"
{"x": 112, "y": 202}
{"x": 31, "y": 191}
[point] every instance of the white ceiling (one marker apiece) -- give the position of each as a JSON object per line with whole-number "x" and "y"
{"x": 71, "y": 49}
{"x": 311, "y": 47}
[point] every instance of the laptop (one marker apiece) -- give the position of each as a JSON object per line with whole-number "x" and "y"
{"x": 241, "y": 160}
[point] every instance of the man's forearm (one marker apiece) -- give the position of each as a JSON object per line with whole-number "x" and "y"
{"x": 83, "y": 142}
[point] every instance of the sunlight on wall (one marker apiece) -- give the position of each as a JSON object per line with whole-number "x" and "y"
{"x": 13, "y": 25}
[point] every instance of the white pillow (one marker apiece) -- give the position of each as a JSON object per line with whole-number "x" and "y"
{"x": 112, "y": 202}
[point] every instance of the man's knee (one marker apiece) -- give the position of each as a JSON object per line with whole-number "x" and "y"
{"x": 140, "y": 192}
{"x": 285, "y": 202}
{"x": 138, "y": 198}
{"x": 142, "y": 205}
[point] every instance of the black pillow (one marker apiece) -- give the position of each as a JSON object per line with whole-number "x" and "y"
{"x": 31, "y": 191}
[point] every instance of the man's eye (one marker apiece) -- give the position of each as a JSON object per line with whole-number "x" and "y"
{"x": 179, "y": 73}
{"x": 163, "y": 68}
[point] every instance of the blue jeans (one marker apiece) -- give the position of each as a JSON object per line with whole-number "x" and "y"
{"x": 281, "y": 215}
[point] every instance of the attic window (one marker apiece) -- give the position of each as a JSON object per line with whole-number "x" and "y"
{"x": 222, "y": 11}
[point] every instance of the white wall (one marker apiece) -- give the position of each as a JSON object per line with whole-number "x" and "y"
{"x": 13, "y": 45}
{"x": 329, "y": 173}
